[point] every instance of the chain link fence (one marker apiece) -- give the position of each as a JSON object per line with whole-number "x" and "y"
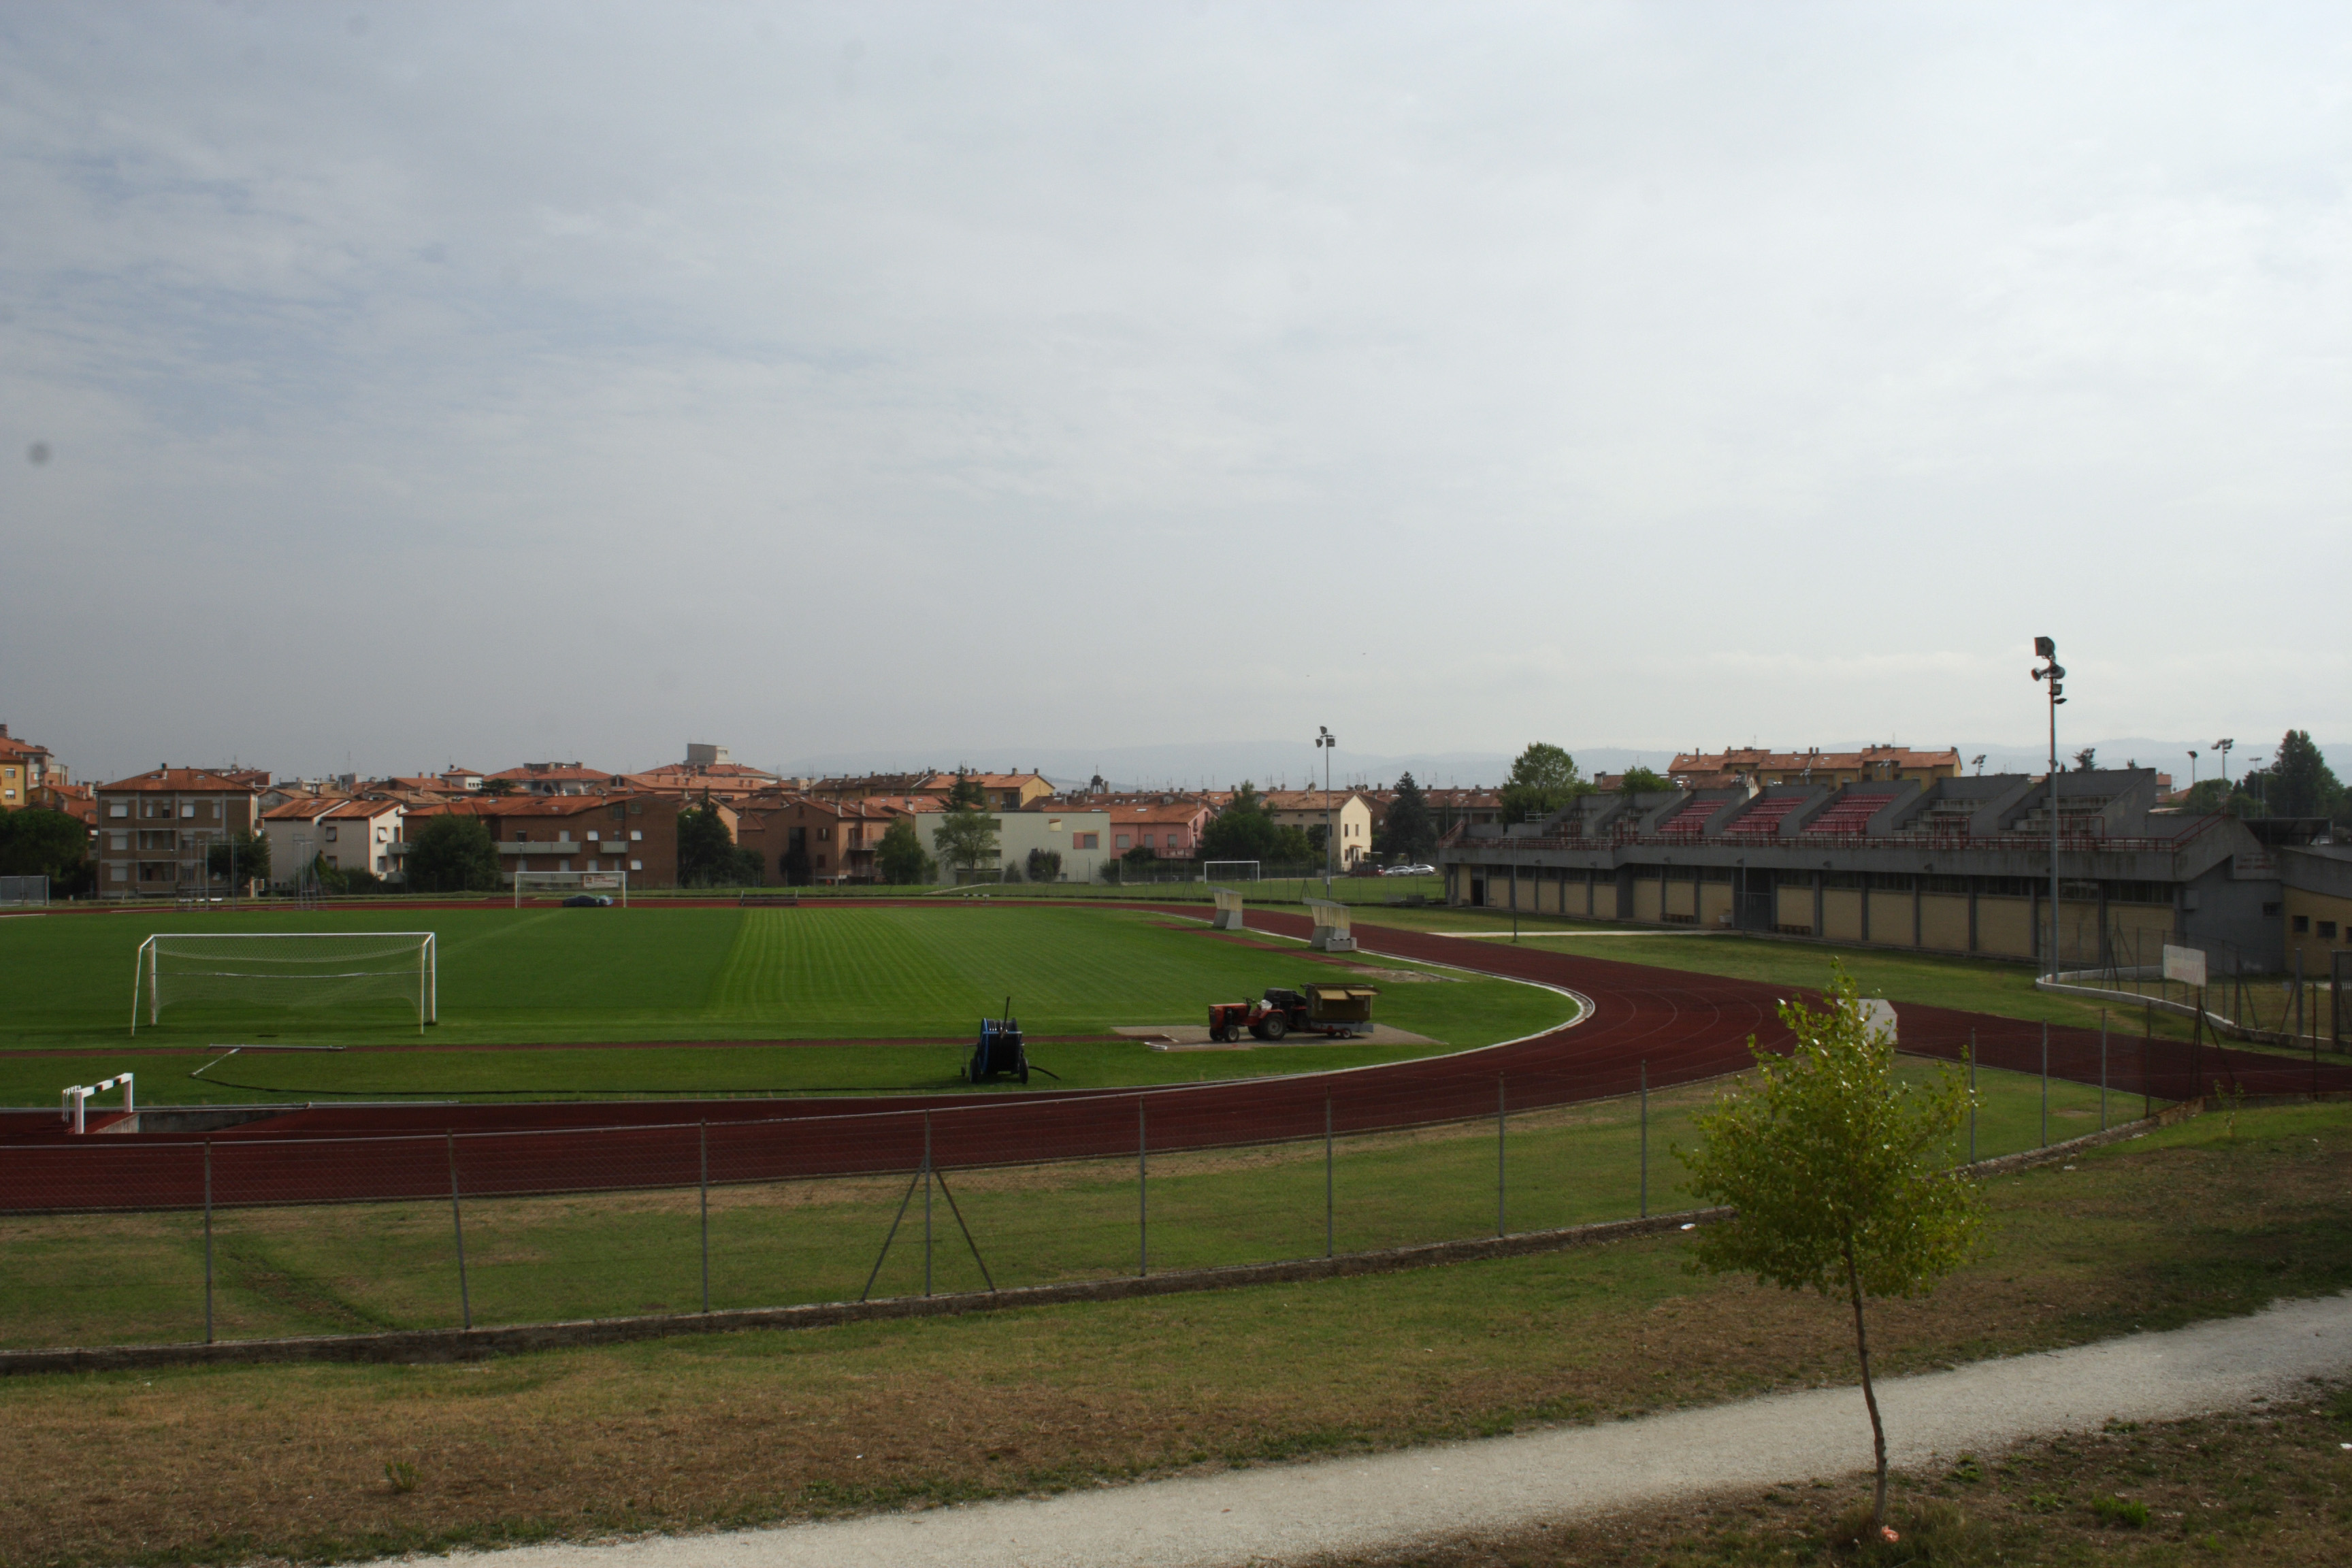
{"x": 239, "y": 1234}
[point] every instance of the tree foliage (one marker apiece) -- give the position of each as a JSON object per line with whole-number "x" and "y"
{"x": 1839, "y": 1173}
{"x": 1543, "y": 779}
{"x": 452, "y": 854}
{"x": 2299, "y": 782}
{"x": 965, "y": 839}
{"x": 1045, "y": 864}
{"x": 965, "y": 794}
{"x": 901, "y": 857}
{"x": 1407, "y": 830}
{"x": 37, "y": 842}
{"x": 707, "y": 853}
{"x": 1244, "y": 831}
{"x": 1643, "y": 780}
{"x": 244, "y": 857}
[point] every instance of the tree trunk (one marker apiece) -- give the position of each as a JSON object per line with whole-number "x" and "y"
{"x": 1869, "y": 1394}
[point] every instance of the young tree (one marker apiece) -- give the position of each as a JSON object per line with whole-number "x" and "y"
{"x": 2087, "y": 759}
{"x": 245, "y": 857}
{"x": 452, "y": 854}
{"x": 2301, "y": 784}
{"x": 1243, "y": 831}
{"x": 1543, "y": 779}
{"x": 1409, "y": 829}
{"x": 498, "y": 789}
{"x": 1045, "y": 864}
{"x": 903, "y": 861}
{"x": 1839, "y": 1172}
{"x": 966, "y": 839}
{"x": 706, "y": 850}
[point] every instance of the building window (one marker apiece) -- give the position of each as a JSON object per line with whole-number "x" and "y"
{"x": 2302, "y": 925}
{"x": 331, "y": 833}
{"x": 117, "y": 808}
{"x": 563, "y": 865}
{"x": 1086, "y": 840}
{"x": 636, "y": 864}
{"x": 593, "y": 835}
{"x": 2328, "y": 931}
{"x": 118, "y": 872}
{"x": 564, "y": 836}
{"x": 187, "y": 808}
{"x": 1122, "y": 840}
{"x": 634, "y": 835}
{"x": 118, "y": 840}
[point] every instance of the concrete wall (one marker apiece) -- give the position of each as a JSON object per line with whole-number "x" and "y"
{"x": 1943, "y": 922}
{"x": 1841, "y": 914}
{"x": 2005, "y": 927}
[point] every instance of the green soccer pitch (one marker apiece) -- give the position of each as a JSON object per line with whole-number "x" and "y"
{"x": 542, "y": 1002}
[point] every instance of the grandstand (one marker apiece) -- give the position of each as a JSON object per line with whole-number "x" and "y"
{"x": 1944, "y": 863}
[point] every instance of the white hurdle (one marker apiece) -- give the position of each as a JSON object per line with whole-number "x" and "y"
{"x": 1332, "y": 933}
{"x": 74, "y": 1104}
{"x": 1230, "y": 911}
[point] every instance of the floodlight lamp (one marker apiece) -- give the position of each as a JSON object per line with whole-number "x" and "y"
{"x": 2045, "y": 647}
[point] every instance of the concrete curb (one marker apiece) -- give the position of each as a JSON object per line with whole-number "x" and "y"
{"x": 435, "y": 1345}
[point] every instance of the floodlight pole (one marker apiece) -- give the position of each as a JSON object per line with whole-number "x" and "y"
{"x": 1324, "y": 743}
{"x": 2055, "y": 673}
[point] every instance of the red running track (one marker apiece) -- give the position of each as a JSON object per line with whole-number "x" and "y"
{"x": 1676, "y": 1026}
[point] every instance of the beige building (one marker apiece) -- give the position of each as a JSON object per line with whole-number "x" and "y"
{"x": 25, "y": 771}
{"x": 350, "y": 834}
{"x": 1307, "y": 810}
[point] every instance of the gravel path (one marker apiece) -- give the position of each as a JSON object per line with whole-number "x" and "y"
{"x": 1285, "y": 1512}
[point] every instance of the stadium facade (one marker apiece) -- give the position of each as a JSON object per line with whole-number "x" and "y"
{"x": 1947, "y": 864}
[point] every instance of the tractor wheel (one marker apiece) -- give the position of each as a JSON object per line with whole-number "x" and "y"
{"x": 1277, "y": 1025}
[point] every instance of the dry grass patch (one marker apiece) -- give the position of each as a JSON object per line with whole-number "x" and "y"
{"x": 222, "y": 1464}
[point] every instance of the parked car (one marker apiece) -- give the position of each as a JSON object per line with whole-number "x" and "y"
{"x": 588, "y": 901}
{"x": 1409, "y": 871}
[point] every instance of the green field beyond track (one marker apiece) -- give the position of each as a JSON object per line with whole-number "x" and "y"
{"x": 546, "y": 978}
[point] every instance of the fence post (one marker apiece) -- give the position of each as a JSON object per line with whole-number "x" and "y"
{"x": 2147, "y": 1091}
{"x": 2103, "y": 1069}
{"x": 1645, "y": 1138}
{"x": 1327, "y": 1250}
{"x": 1972, "y": 1096}
{"x": 927, "y": 1203}
{"x": 2045, "y": 1085}
{"x": 1502, "y": 1217}
{"x": 457, "y": 1223}
{"x": 1142, "y": 1191}
{"x": 704, "y": 1139}
{"x": 2298, "y": 1023}
{"x": 208, "y": 1241}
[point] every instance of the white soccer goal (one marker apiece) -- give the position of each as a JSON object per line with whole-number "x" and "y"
{"x": 288, "y": 970}
{"x": 1229, "y": 871}
{"x": 613, "y": 884}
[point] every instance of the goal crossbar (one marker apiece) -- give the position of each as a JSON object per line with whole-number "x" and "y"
{"x": 334, "y": 967}
{"x": 615, "y": 880}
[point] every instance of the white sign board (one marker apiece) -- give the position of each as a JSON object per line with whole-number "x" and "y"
{"x": 2186, "y": 964}
{"x": 1332, "y": 927}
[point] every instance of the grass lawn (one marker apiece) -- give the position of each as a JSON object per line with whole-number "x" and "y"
{"x": 555, "y": 976}
{"x": 137, "y": 1278}
{"x": 227, "y": 1464}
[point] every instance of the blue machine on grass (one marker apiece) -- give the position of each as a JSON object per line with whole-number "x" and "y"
{"x": 1000, "y": 1050}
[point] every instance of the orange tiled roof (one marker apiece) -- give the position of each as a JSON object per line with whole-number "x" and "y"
{"x": 176, "y": 781}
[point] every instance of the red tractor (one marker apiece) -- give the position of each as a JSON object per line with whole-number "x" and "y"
{"x": 1339, "y": 1011}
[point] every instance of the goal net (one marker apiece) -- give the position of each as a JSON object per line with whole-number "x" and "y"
{"x": 1229, "y": 870}
{"x": 339, "y": 972}
{"x": 613, "y": 884}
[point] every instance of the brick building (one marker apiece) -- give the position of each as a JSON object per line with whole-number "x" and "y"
{"x": 154, "y": 828}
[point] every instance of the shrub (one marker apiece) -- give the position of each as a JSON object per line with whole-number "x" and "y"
{"x": 2116, "y": 1512}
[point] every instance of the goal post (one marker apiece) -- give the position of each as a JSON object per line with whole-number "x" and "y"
{"x": 1229, "y": 871}
{"x": 288, "y": 970}
{"x": 613, "y": 884}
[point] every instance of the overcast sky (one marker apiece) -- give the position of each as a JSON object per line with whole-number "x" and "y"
{"x": 404, "y": 383}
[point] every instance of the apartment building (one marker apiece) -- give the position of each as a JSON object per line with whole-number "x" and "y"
{"x": 556, "y": 778}
{"x": 26, "y": 769}
{"x": 348, "y": 833}
{"x": 1169, "y": 825}
{"x": 631, "y": 830}
{"x": 1305, "y": 809}
{"x": 154, "y": 829}
{"x": 1716, "y": 770}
